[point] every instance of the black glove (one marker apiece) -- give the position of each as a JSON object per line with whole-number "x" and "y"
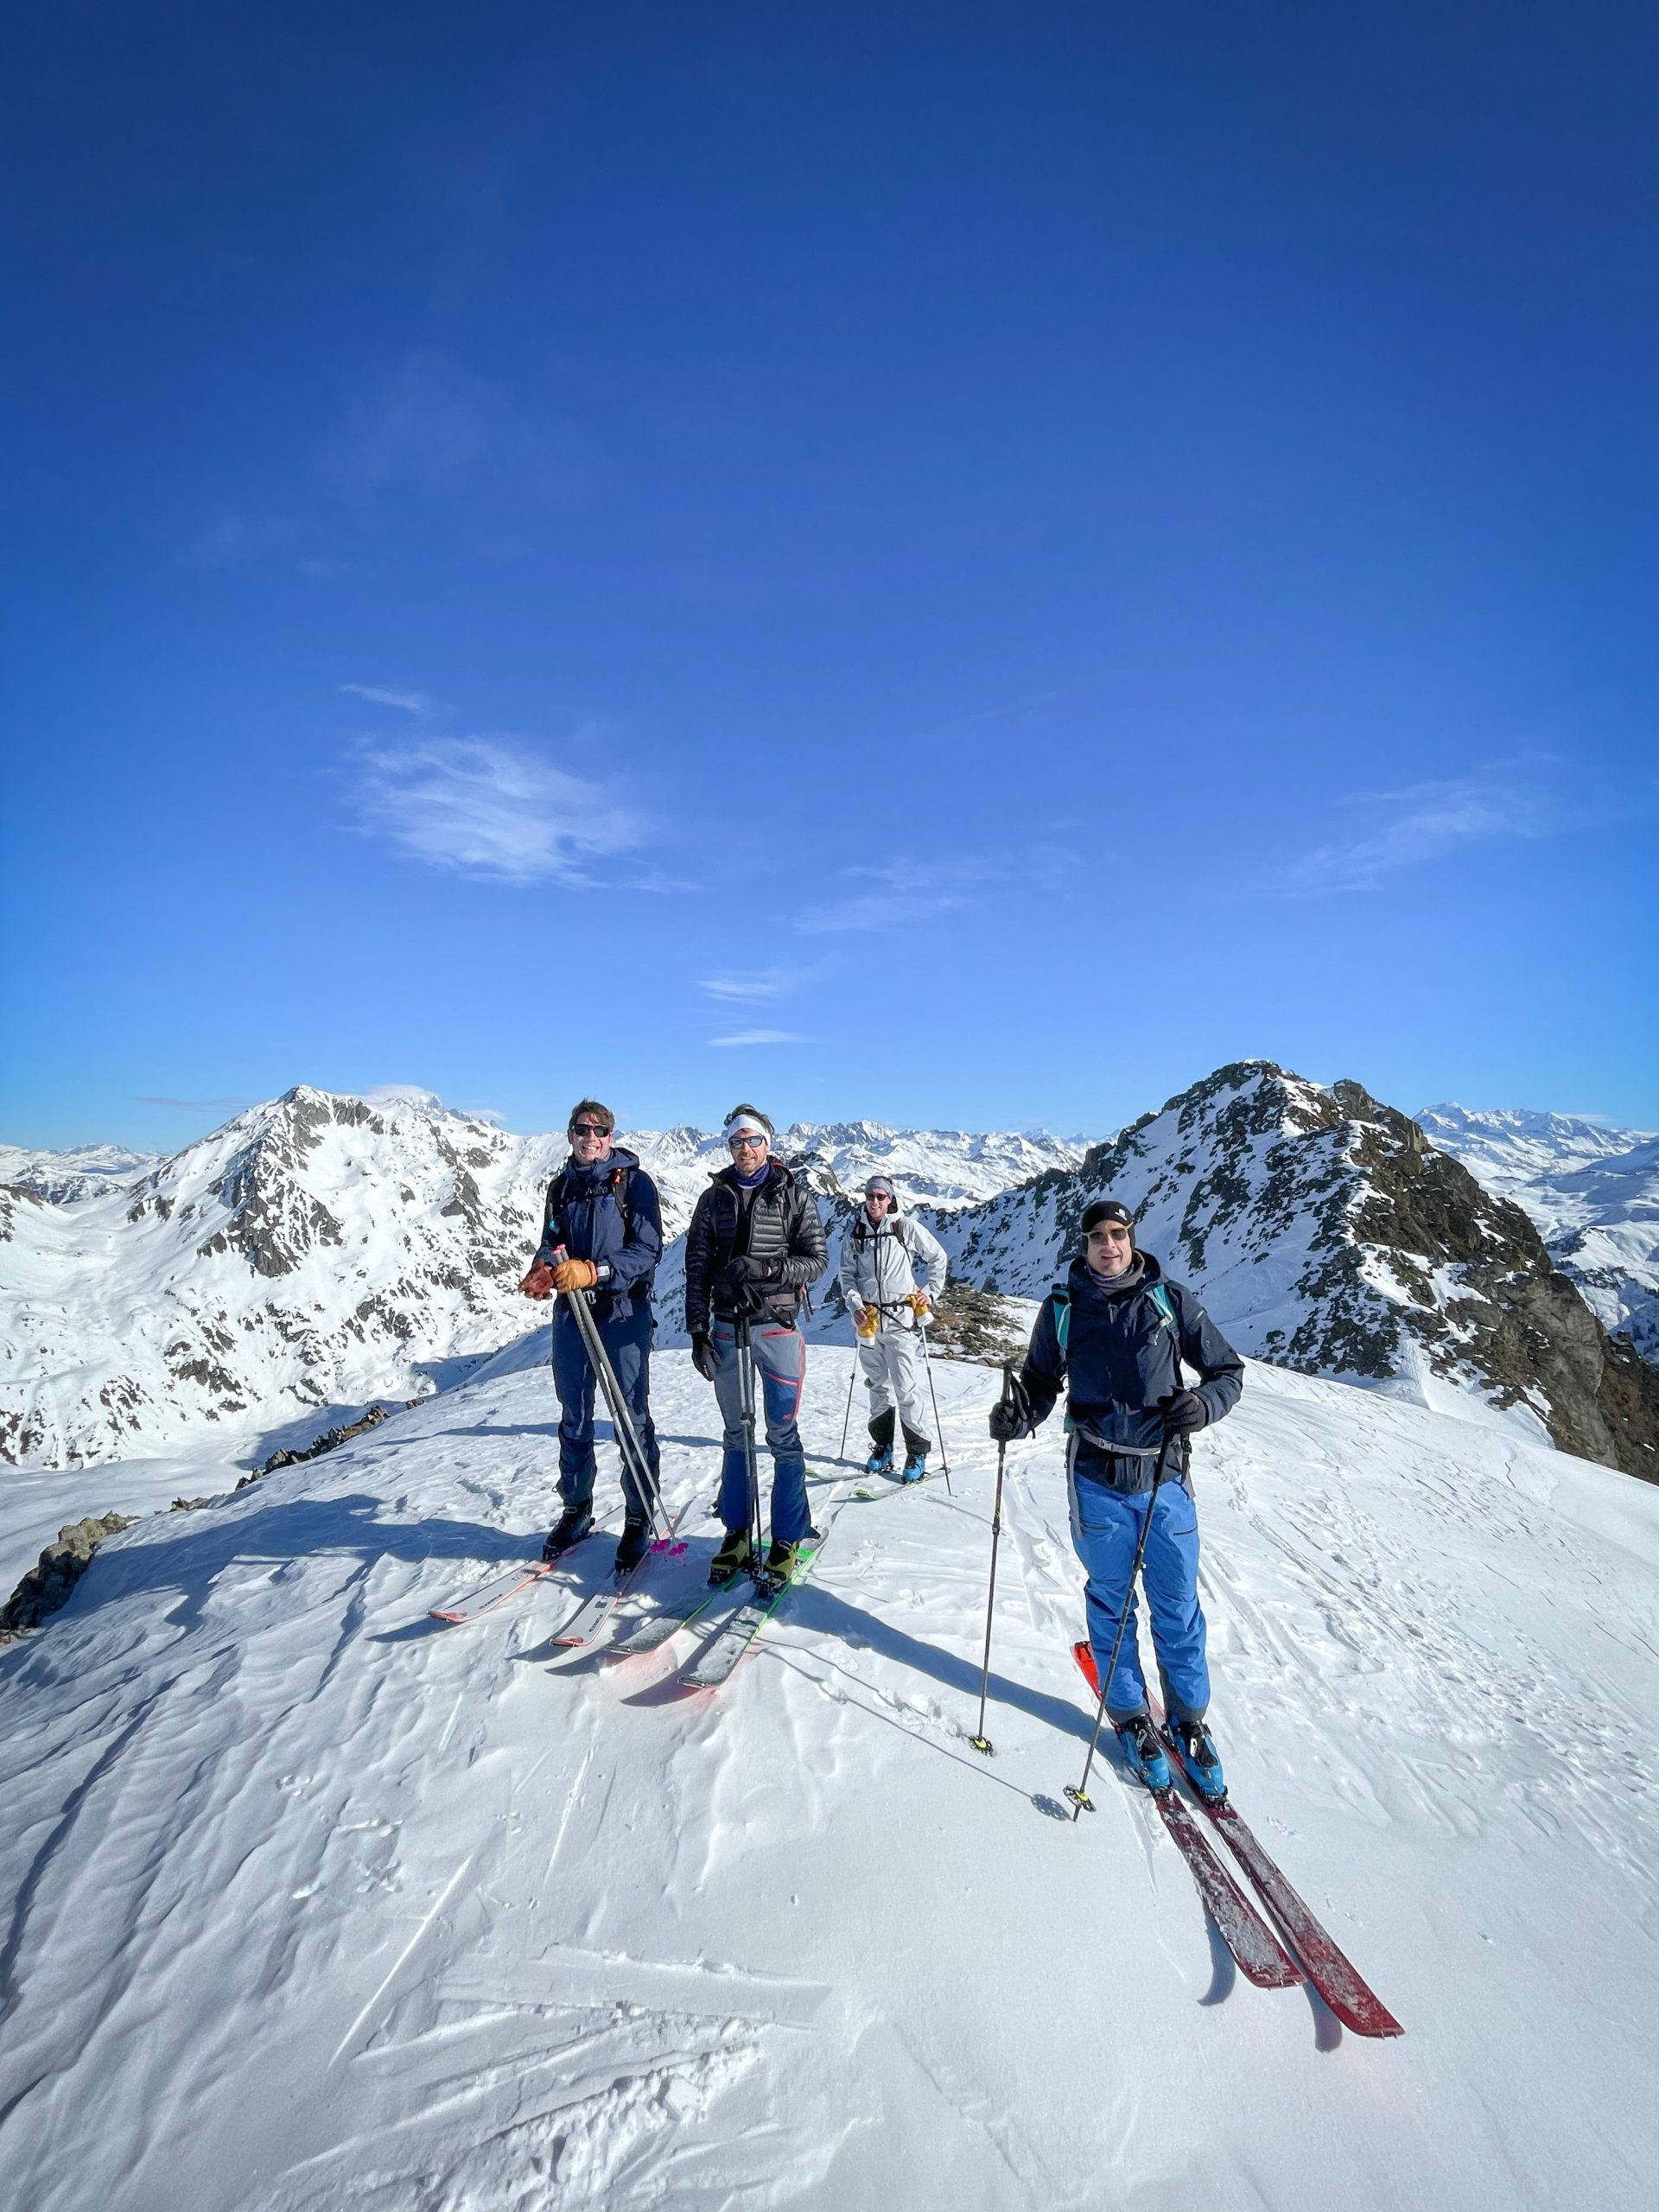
{"x": 1011, "y": 1414}
{"x": 1182, "y": 1411}
{"x": 737, "y": 1281}
{"x": 704, "y": 1357}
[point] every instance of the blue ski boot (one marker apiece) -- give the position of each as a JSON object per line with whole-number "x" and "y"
{"x": 879, "y": 1461}
{"x": 1198, "y": 1756}
{"x": 1143, "y": 1751}
{"x": 915, "y": 1467}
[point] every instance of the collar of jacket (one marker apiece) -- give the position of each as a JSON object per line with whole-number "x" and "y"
{"x": 776, "y": 1173}
{"x": 1084, "y": 1284}
{"x": 600, "y": 1171}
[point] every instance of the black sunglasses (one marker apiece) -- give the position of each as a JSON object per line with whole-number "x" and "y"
{"x": 588, "y": 1129}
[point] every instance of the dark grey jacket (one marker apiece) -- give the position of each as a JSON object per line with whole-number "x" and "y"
{"x": 779, "y": 1226}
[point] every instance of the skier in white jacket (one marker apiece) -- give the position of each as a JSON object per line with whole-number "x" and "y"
{"x": 892, "y": 1269}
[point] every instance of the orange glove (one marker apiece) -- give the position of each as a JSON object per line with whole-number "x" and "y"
{"x": 538, "y": 1283}
{"x": 920, "y": 1303}
{"x": 574, "y": 1274}
{"x": 866, "y": 1322}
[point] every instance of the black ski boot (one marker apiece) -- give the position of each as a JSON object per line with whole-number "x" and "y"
{"x": 570, "y": 1527}
{"x": 636, "y": 1543}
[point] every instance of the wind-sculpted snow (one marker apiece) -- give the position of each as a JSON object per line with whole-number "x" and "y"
{"x": 1324, "y": 1232}
{"x": 318, "y": 1253}
{"x": 1592, "y": 1192}
{"x": 313, "y": 1904}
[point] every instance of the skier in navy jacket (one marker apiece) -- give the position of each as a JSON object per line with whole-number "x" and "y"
{"x": 602, "y": 1238}
{"x": 1114, "y": 1335}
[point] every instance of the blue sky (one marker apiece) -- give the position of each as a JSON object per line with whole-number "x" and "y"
{"x": 963, "y": 565}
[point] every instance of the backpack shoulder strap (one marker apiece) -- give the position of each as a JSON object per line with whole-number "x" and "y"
{"x": 1166, "y": 1305}
{"x": 1060, "y": 1297}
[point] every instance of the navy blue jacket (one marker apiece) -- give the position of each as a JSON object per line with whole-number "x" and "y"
{"x": 1120, "y": 1359}
{"x": 625, "y": 1243}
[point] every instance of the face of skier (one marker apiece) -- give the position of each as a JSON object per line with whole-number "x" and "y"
{"x": 748, "y": 1150}
{"x": 1111, "y": 1247}
{"x": 878, "y": 1204}
{"x": 589, "y": 1142}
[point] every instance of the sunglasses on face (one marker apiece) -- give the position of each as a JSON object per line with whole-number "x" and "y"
{"x": 748, "y": 1144}
{"x": 588, "y": 1129}
{"x": 1111, "y": 1235}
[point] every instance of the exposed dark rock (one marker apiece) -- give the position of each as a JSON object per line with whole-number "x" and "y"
{"x": 47, "y": 1585}
{"x": 329, "y": 1440}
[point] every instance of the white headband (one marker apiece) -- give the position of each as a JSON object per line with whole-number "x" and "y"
{"x": 746, "y": 1125}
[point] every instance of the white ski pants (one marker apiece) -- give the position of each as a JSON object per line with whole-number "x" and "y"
{"x": 892, "y": 1365}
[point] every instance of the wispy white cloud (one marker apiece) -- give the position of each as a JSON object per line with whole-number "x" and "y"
{"x": 235, "y": 538}
{"x": 761, "y": 1037}
{"x": 763, "y": 984}
{"x": 1428, "y": 822}
{"x": 412, "y": 703}
{"x": 429, "y": 424}
{"x": 901, "y": 894}
{"x": 490, "y": 807}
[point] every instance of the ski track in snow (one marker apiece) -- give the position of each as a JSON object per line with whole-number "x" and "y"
{"x": 316, "y": 1904}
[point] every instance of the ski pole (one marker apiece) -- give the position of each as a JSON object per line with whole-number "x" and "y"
{"x": 847, "y": 1418}
{"x": 1081, "y": 1801}
{"x": 627, "y": 1437}
{"x": 751, "y": 1455}
{"x": 982, "y": 1742}
{"x": 927, "y": 1366}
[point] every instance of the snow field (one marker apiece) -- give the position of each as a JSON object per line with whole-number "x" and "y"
{"x": 317, "y": 1902}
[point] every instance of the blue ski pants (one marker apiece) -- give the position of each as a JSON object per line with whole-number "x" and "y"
{"x": 627, "y": 1344}
{"x": 780, "y": 1374}
{"x": 1106, "y": 1525}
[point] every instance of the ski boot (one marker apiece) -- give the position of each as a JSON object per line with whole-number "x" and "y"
{"x": 782, "y": 1560}
{"x": 1143, "y": 1751}
{"x": 731, "y": 1558}
{"x": 570, "y": 1529}
{"x": 1198, "y": 1756}
{"x": 915, "y": 1467}
{"x": 636, "y": 1543}
{"x": 879, "y": 1461}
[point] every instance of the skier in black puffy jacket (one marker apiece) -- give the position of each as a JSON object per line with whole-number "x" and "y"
{"x": 1114, "y": 1335}
{"x": 755, "y": 1244}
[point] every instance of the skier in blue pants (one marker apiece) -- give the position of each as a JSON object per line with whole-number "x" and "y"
{"x": 1114, "y": 1335}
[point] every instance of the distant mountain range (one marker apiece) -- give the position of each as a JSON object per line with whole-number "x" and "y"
{"x": 318, "y": 1252}
{"x": 1592, "y": 1194}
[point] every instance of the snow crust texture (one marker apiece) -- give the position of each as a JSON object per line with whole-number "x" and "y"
{"x": 1592, "y": 1193}
{"x": 316, "y": 1904}
{"x": 1324, "y": 1232}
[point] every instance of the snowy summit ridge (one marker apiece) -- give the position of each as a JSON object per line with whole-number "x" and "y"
{"x": 1325, "y": 1233}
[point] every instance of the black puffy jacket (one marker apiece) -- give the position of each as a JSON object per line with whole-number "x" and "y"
{"x": 779, "y": 1225}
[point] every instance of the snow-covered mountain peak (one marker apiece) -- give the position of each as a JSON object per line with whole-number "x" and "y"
{"x": 1327, "y": 1233}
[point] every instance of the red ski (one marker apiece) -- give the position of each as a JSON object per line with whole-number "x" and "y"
{"x": 1349, "y": 1996}
{"x": 1260, "y": 1955}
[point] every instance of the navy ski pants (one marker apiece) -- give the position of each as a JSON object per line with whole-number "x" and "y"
{"x": 627, "y": 1343}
